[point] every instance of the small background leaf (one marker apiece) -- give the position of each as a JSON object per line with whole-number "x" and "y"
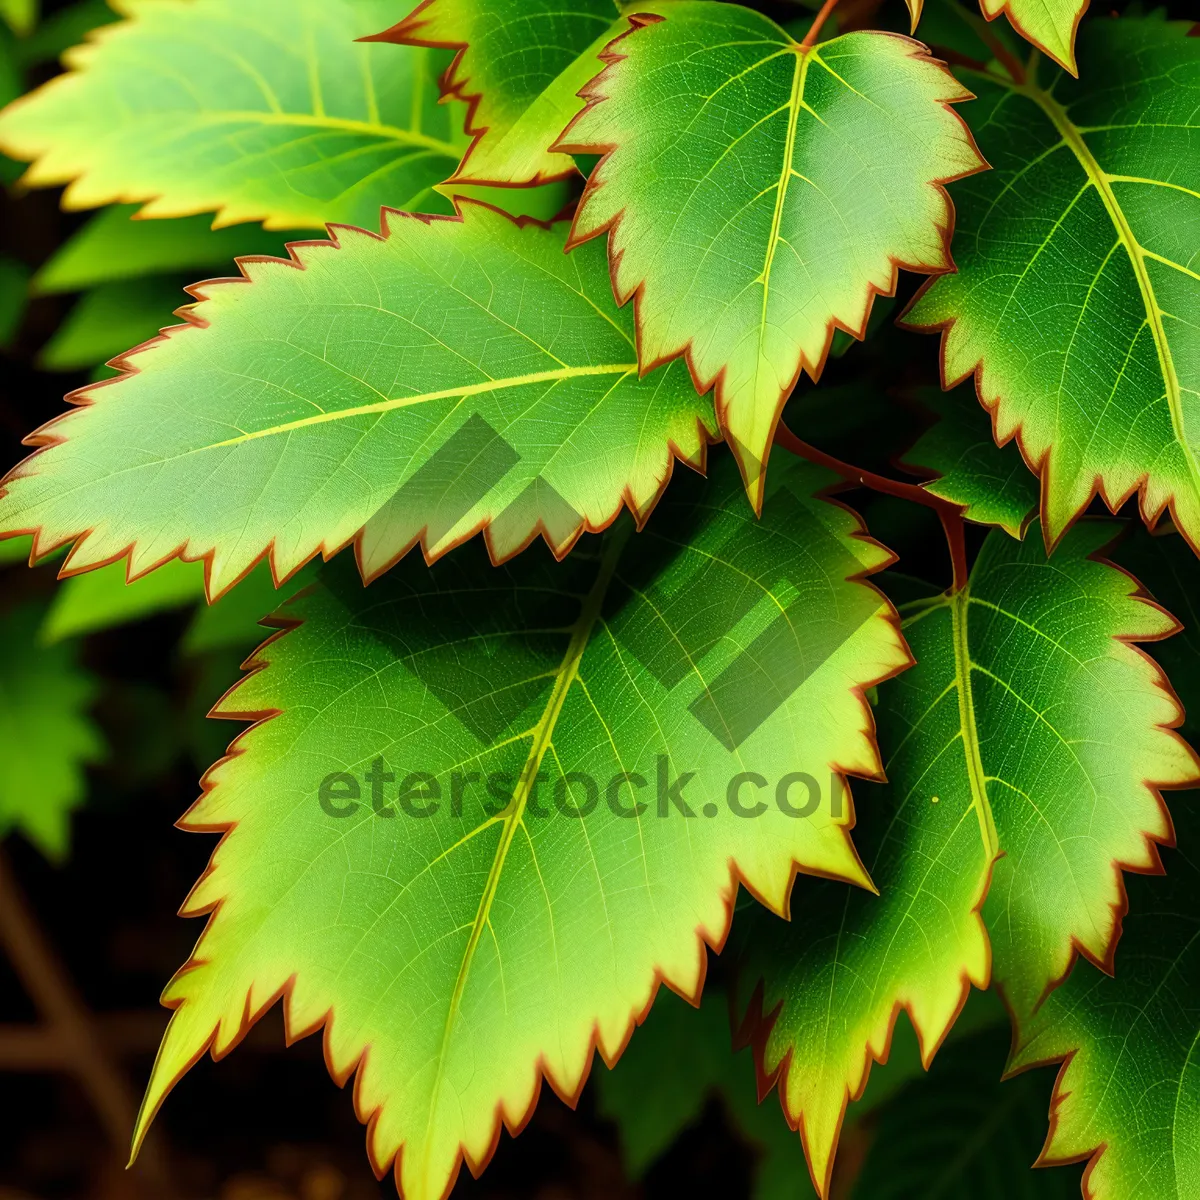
{"x": 46, "y": 736}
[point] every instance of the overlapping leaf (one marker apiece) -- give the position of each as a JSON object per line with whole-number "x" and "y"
{"x": 961, "y": 1134}
{"x": 1077, "y": 299}
{"x": 758, "y": 193}
{"x": 680, "y": 1060}
{"x": 455, "y": 375}
{"x": 1128, "y": 1096}
{"x": 521, "y": 64}
{"x": 1030, "y": 726}
{"x": 990, "y": 482}
{"x": 1048, "y": 24}
{"x": 46, "y": 736}
{"x": 255, "y": 109}
{"x": 114, "y": 246}
{"x": 452, "y": 957}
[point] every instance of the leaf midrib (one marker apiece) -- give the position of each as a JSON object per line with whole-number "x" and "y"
{"x": 513, "y": 814}
{"x": 959, "y": 604}
{"x": 472, "y": 389}
{"x": 390, "y": 133}
{"x": 1102, "y": 181}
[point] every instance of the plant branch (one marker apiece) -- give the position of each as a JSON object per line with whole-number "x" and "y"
{"x": 984, "y": 33}
{"x": 70, "y": 1023}
{"x": 949, "y": 514}
{"x": 810, "y": 37}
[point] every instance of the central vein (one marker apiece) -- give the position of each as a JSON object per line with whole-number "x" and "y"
{"x": 966, "y": 717}
{"x": 542, "y": 736}
{"x": 1102, "y": 182}
{"x": 469, "y": 389}
{"x": 789, "y": 150}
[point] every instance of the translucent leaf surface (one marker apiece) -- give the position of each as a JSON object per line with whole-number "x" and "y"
{"x": 758, "y": 193}
{"x": 456, "y": 375}
{"x": 513, "y": 895}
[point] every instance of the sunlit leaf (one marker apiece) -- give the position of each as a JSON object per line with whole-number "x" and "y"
{"x": 453, "y": 957}
{"x": 1077, "y": 297}
{"x": 298, "y": 126}
{"x": 453, "y": 376}
{"x": 521, "y": 65}
{"x": 1028, "y": 718}
{"x": 758, "y": 193}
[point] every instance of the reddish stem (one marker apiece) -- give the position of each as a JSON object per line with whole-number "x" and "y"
{"x": 1003, "y": 55}
{"x": 949, "y": 514}
{"x": 810, "y": 37}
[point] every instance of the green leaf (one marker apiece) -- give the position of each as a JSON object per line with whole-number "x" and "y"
{"x": 458, "y": 374}
{"x": 11, "y": 83}
{"x": 20, "y": 15}
{"x": 60, "y": 30}
{"x": 234, "y": 621}
{"x": 298, "y": 126}
{"x": 14, "y": 550}
{"x": 46, "y": 737}
{"x": 521, "y": 65}
{"x": 113, "y": 247}
{"x": 1028, "y": 718}
{"x": 758, "y": 194}
{"x": 1133, "y": 1084}
{"x": 1077, "y": 297}
{"x": 1172, "y": 576}
{"x": 109, "y": 319}
{"x": 959, "y": 1133}
{"x": 14, "y": 290}
{"x": 1048, "y": 24}
{"x": 1128, "y": 1095}
{"x": 500, "y": 935}
{"x": 991, "y": 482}
{"x": 102, "y": 599}
{"x": 678, "y": 1060}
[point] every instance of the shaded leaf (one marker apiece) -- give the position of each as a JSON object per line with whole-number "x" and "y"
{"x": 111, "y": 246}
{"x": 455, "y": 375}
{"x": 961, "y": 1134}
{"x": 1128, "y": 1096}
{"x": 14, "y": 289}
{"x": 46, "y": 737}
{"x": 1028, "y": 717}
{"x": 991, "y": 482}
{"x": 234, "y": 620}
{"x": 60, "y": 30}
{"x": 109, "y": 319}
{"x": 101, "y": 599}
{"x": 680, "y": 1058}
{"x": 758, "y": 193}
{"x": 501, "y": 935}
{"x": 1077, "y": 298}
{"x": 299, "y": 126}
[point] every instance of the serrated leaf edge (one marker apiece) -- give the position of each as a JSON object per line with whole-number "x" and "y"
{"x": 283, "y": 623}
{"x": 44, "y": 438}
{"x": 592, "y": 96}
